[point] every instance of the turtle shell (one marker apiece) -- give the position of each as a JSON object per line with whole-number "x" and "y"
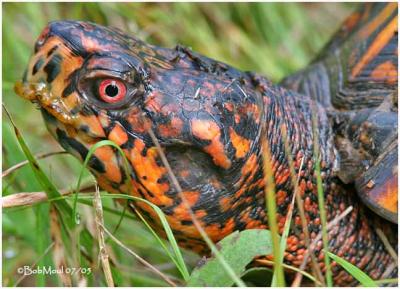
{"x": 355, "y": 78}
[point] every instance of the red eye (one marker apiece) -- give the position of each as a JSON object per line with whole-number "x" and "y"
{"x": 112, "y": 90}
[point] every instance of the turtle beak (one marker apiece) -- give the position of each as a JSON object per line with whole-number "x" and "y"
{"x": 39, "y": 93}
{"x": 30, "y": 91}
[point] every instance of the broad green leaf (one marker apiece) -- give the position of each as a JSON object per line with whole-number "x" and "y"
{"x": 238, "y": 249}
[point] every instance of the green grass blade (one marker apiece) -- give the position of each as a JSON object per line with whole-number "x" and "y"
{"x": 229, "y": 270}
{"x": 42, "y": 240}
{"x": 50, "y": 189}
{"x": 179, "y": 262}
{"x": 321, "y": 199}
{"x": 271, "y": 212}
{"x": 171, "y": 238}
{"x": 358, "y": 274}
{"x": 43, "y": 180}
{"x": 387, "y": 281}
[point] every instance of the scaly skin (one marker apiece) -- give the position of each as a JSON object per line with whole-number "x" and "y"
{"x": 207, "y": 117}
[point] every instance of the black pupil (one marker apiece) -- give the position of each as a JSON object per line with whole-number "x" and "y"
{"x": 112, "y": 90}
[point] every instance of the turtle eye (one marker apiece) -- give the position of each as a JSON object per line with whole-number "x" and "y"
{"x": 112, "y": 90}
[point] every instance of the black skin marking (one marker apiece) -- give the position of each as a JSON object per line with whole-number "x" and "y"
{"x": 37, "y": 65}
{"x": 186, "y": 222}
{"x": 51, "y": 51}
{"x": 52, "y": 68}
{"x": 70, "y": 88}
{"x": 70, "y": 143}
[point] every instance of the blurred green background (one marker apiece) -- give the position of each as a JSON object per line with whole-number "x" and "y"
{"x": 269, "y": 38}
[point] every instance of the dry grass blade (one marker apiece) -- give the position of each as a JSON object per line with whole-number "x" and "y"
{"x": 37, "y": 157}
{"x": 196, "y": 223}
{"x": 100, "y": 235}
{"x": 141, "y": 260}
{"x": 386, "y": 242}
{"x": 32, "y": 198}
{"x": 59, "y": 250}
{"x": 292, "y": 268}
{"x": 23, "y": 199}
{"x": 34, "y": 264}
{"x": 299, "y": 202}
{"x": 389, "y": 270}
{"x": 296, "y": 282}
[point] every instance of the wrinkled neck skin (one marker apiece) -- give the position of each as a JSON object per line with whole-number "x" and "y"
{"x": 209, "y": 119}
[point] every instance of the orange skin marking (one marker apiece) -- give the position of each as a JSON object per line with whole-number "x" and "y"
{"x": 153, "y": 101}
{"x": 214, "y": 232}
{"x": 191, "y": 197}
{"x": 352, "y": 21}
{"x": 50, "y": 43}
{"x": 228, "y": 106}
{"x": 225, "y": 203}
{"x": 181, "y": 212}
{"x": 184, "y": 173}
{"x": 107, "y": 155}
{"x": 94, "y": 125}
{"x": 149, "y": 51}
{"x": 205, "y": 129}
{"x": 149, "y": 172}
{"x": 173, "y": 129}
{"x": 200, "y": 213}
{"x": 240, "y": 144}
{"x": 92, "y": 45}
{"x": 139, "y": 124}
{"x": 207, "y": 90}
{"x": 95, "y": 63}
{"x": 387, "y": 195}
{"x": 209, "y": 130}
{"x": 240, "y": 192}
{"x": 249, "y": 167}
{"x": 104, "y": 119}
{"x": 376, "y": 46}
{"x": 153, "y": 61}
{"x": 253, "y": 109}
{"x": 378, "y": 20}
{"x": 385, "y": 71}
{"x": 280, "y": 197}
{"x": 68, "y": 64}
{"x": 71, "y": 100}
{"x": 229, "y": 226}
{"x": 237, "y": 118}
{"x": 118, "y": 135}
{"x": 282, "y": 177}
{"x": 255, "y": 224}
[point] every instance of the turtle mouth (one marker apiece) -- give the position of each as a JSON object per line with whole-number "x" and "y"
{"x": 40, "y": 94}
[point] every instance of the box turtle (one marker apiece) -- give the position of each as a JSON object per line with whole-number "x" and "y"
{"x": 94, "y": 83}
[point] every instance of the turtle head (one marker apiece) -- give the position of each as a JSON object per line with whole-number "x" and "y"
{"x": 94, "y": 83}
{"x": 80, "y": 70}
